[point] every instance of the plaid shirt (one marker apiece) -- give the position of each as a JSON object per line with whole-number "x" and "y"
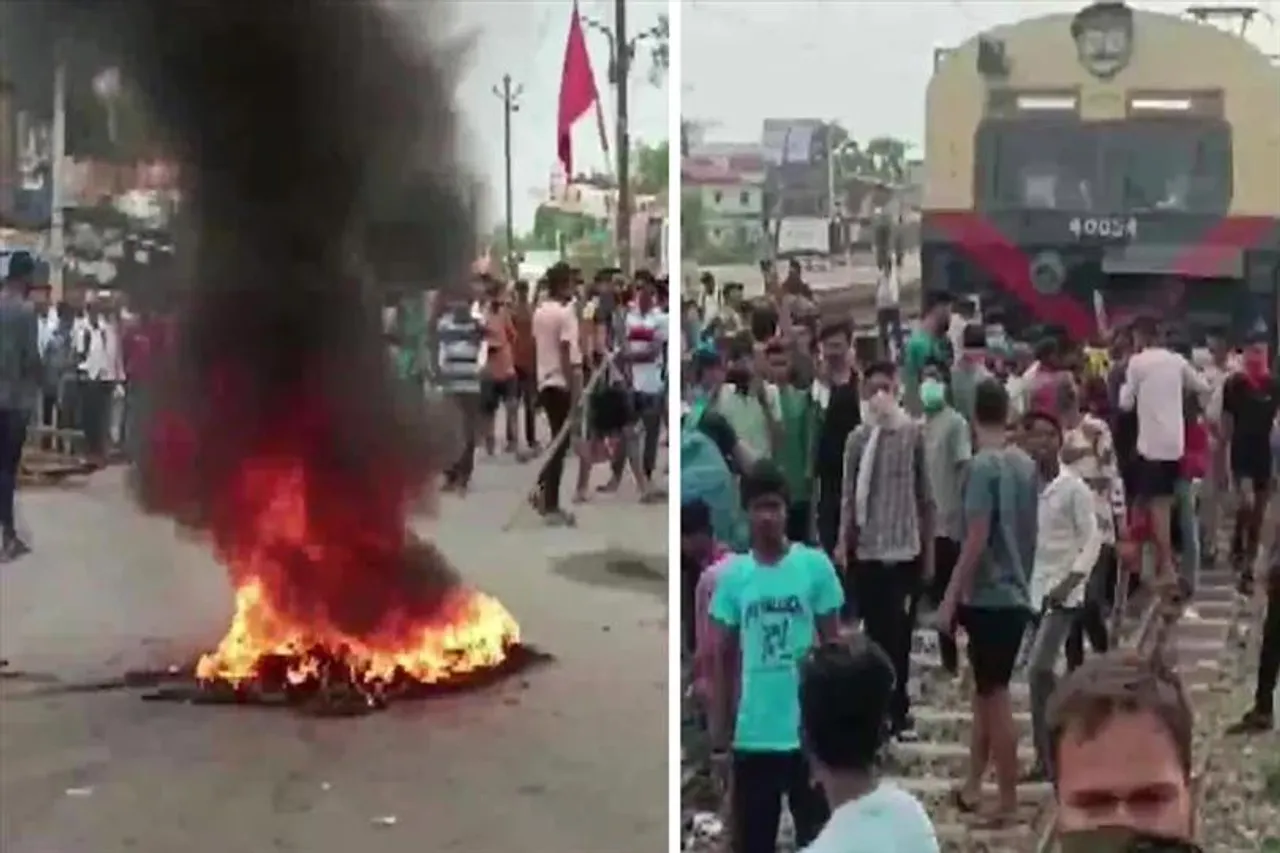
{"x": 899, "y": 487}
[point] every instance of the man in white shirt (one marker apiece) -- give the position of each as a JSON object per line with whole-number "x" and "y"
{"x": 1023, "y": 385}
{"x": 1068, "y": 541}
{"x": 965, "y": 312}
{"x": 644, "y": 346}
{"x": 846, "y": 688}
{"x": 97, "y": 344}
{"x": 559, "y": 361}
{"x": 1156, "y": 380}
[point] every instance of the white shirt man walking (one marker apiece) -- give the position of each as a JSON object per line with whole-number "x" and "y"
{"x": 1155, "y": 384}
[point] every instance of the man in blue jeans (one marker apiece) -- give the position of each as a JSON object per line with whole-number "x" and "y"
{"x": 20, "y": 375}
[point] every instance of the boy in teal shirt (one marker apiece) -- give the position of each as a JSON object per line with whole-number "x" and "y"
{"x": 770, "y": 606}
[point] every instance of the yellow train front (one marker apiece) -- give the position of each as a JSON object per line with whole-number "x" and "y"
{"x": 1083, "y": 168}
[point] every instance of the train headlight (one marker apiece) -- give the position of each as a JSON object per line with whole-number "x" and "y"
{"x": 1048, "y": 272}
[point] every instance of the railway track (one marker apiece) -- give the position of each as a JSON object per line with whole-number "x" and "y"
{"x": 934, "y": 765}
{"x": 1205, "y": 647}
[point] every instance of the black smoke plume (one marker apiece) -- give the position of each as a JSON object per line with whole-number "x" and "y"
{"x": 316, "y": 140}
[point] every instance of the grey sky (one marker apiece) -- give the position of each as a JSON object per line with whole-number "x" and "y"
{"x": 864, "y": 63}
{"x": 526, "y": 39}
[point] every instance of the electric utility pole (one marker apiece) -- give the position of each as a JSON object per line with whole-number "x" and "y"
{"x": 621, "y": 51}
{"x": 58, "y": 176}
{"x": 622, "y": 63}
{"x": 8, "y": 150}
{"x": 509, "y": 94}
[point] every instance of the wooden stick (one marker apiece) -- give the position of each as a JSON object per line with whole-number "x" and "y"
{"x": 1119, "y": 601}
{"x": 579, "y": 406}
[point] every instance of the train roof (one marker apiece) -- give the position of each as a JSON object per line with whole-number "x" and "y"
{"x": 1175, "y": 31}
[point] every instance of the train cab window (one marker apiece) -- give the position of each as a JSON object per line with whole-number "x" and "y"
{"x": 1051, "y": 187}
{"x": 1039, "y": 165}
{"x": 1177, "y": 165}
{"x": 1040, "y": 187}
{"x": 1182, "y": 166}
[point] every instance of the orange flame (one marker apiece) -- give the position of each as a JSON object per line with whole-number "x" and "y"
{"x": 281, "y": 526}
{"x": 475, "y": 632}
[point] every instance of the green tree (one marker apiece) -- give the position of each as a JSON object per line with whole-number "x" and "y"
{"x": 888, "y": 158}
{"x": 551, "y": 225}
{"x": 693, "y": 236}
{"x": 498, "y": 242}
{"x": 849, "y": 160}
{"x": 591, "y": 255}
{"x": 660, "y": 51}
{"x": 881, "y": 158}
{"x": 651, "y": 167}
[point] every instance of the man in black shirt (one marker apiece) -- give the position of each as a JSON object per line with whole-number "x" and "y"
{"x": 1250, "y": 399}
{"x": 794, "y": 284}
{"x": 841, "y": 403}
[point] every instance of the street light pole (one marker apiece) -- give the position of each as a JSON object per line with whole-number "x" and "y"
{"x": 621, "y": 51}
{"x": 509, "y": 93}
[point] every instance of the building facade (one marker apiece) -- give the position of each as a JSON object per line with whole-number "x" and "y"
{"x": 727, "y": 184}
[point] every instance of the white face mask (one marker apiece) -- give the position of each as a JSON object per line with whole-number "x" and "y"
{"x": 880, "y": 404}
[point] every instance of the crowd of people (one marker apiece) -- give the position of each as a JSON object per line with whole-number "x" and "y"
{"x": 72, "y": 367}
{"x": 1019, "y": 493}
{"x": 591, "y": 357}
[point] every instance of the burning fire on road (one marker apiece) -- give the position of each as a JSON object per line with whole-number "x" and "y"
{"x": 337, "y": 609}
{"x": 276, "y": 429}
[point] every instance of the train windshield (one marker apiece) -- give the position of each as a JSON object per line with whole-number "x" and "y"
{"x": 1182, "y": 166}
{"x": 1105, "y": 167}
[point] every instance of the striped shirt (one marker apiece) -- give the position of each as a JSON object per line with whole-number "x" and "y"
{"x": 645, "y": 344}
{"x": 899, "y": 486}
{"x": 460, "y": 345}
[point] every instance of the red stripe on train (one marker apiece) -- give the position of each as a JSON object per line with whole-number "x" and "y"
{"x": 1215, "y": 252}
{"x": 1010, "y": 266}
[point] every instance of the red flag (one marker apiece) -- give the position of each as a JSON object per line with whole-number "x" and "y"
{"x": 577, "y": 90}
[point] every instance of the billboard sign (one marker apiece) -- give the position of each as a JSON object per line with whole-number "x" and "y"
{"x": 804, "y": 235}
{"x": 797, "y": 182}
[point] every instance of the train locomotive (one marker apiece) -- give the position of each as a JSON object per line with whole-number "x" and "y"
{"x": 1082, "y": 168}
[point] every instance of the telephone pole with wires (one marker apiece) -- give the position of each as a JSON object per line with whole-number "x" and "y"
{"x": 509, "y": 94}
{"x": 621, "y": 51}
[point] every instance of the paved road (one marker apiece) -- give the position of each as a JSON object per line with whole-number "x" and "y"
{"x": 575, "y": 761}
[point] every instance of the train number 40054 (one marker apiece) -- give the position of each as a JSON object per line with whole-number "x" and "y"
{"x": 1104, "y": 227}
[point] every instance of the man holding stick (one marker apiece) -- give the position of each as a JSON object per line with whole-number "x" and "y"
{"x": 559, "y": 367}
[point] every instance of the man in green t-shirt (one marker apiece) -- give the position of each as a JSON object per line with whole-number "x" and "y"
{"x": 928, "y": 343}
{"x": 798, "y": 422}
